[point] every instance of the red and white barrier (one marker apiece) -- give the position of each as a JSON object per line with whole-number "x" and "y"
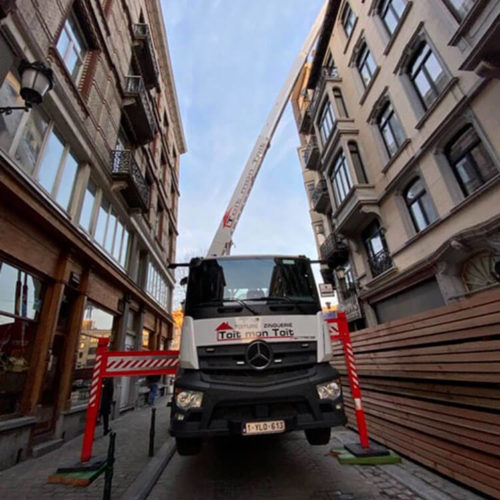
{"x": 121, "y": 364}
{"x": 339, "y": 330}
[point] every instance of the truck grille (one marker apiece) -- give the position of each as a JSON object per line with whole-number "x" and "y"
{"x": 229, "y": 363}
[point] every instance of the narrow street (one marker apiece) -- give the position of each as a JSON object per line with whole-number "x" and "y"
{"x": 284, "y": 467}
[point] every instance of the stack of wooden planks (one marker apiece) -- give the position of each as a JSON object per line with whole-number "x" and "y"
{"x": 431, "y": 388}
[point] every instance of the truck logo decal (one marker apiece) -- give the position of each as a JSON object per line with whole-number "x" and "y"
{"x": 277, "y": 331}
{"x": 259, "y": 355}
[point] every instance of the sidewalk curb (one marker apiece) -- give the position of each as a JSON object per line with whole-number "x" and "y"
{"x": 145, "y": 481}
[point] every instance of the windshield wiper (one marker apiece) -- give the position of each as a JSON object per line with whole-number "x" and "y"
{"x": 289, "y": 300}
{"x": 244, "y": 304}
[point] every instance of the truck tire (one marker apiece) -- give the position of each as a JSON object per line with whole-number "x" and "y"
{"x": 318, "y": 436}
{"x": 188, "y": 446}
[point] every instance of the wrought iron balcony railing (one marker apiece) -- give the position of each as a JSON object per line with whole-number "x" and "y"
{"x": 311, "y": 155}
{"x": 135, "y": 190}
{"x": 139, "y": 111}
{"x": 145, "y": 53}
{"x": 334, "y": 251}
{"x": 380, "y": 262}
{"x": 319, "y": 198}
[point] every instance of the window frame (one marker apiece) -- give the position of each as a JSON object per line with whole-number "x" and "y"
{"x": 413, "y": 73}
{"x": 326, "y": 120}
{"x": 471, "y": 160}
{"x": 340, "y": 177}
{"x": 363, "y": 56}
{"x": 348, "y": 20}
{"x": 73, "y": 30}
{"x": 426, "y": 211}
{"x": 368, "y": 235}
{"x": 391, "y": 121}
{"x": 384, "y": 7}
{"x": 455, "y": 12}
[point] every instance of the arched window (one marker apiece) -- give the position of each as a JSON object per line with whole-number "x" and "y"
{"x": 379, "y": 258}
{"x": 471, "y": 163}
{"x": 427, "y": 75}
{"x": 419, "y": 204}
{"x": 359, "y": 168}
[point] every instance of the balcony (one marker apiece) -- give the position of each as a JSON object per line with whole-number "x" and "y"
{"x": 144, "y": 52}
{"x": 353, "y": 210}
{"x": 305, "y": 125}
{"x": 480, "y": 30}
{"x": 319, "y": 198}
{"x": 311, "y": 155}
{"x": 334, "y": 251}
{"x": 380, "y": 262}
{"x": 128, "y": 177}
{"x": 138, "y": 110}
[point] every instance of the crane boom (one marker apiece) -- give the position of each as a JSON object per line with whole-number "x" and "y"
{"x": 222, "y": 242}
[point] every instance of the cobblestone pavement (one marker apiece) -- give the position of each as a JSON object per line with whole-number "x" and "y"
{"x": 287, "y": 467}
{"x": 27, "y": 480}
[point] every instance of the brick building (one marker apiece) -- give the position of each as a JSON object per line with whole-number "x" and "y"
{"x": 397, "y": 119}
{"x": 88, "y": 207}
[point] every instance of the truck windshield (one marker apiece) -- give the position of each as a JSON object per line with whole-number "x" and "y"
{"x": 264, "y": 279}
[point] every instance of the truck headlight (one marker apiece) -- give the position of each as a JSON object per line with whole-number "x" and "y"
{"x": 186, "y": 399}
{"x": 329, "y": 390}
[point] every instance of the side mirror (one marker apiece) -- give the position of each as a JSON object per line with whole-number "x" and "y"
{"x": 183, "y": 281}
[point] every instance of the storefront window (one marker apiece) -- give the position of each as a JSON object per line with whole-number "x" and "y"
{"x": 20, "y": 303}
{"x": 96, "y": 324}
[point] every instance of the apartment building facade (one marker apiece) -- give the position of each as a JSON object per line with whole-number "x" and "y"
{"x": 89, "y": 183}
{"x": 400, "y": 150}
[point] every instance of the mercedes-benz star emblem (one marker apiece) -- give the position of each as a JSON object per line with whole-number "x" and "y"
{"x": 259, "y": 355}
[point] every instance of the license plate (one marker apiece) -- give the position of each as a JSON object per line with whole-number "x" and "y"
{"x": 269, "y": 427}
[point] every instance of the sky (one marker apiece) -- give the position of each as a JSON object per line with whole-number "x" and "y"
{"x": 230, "y": 59}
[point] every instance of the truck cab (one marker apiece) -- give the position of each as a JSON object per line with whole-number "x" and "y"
{"x": 255, "y": 353}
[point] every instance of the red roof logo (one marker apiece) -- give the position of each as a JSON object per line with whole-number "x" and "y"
{"x": 223, "y": 326}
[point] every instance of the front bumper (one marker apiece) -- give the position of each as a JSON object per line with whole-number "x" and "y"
{"x": 227, "y": 407}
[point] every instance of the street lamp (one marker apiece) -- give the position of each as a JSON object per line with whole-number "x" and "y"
{"x": 36, "y": 80}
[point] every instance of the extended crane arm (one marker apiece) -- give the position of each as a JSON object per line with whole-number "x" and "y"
{"x": 222, "y": 242}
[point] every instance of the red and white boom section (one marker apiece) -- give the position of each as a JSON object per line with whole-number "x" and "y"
{"x": 222, "y": 242}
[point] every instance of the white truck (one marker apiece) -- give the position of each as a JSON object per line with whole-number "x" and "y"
{"x": 255, "y": 352}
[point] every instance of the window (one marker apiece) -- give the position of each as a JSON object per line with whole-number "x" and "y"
{"x": 329, "y": 67}
{"x": 339, "y": 102}
{"x": 390, "y": 129}
{"x": 71, "y": 46}
{"x": 419, "y": 204}
{"x": 366, "y": 64}
{"x": 347, "y": 283}
{"x": 156, "y": 286}
{"x": 326, "y": 121}
{"x": 359, "y": 168}
{"x": 376, "y": 249}
{"x": 57, "y": 170}
{"x": 391, "y": 11}
{"x": 88, "y": 206}
{"x": 427, "y": 75}
{"x": 159, "y": 221}
{"x": 96, "y": 324}
{"x": 348, "y": 20}
{"x": 471, "y": 163}
{"x": 341, "y": 179}
{"x": 20, "y": 305}
{"x": 310, "y": 191}
{"x": 109, "y": 232}
{"x": 459, "y": 8}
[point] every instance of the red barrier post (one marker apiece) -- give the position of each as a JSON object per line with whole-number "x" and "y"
{"x": 352, "y": 373}
{"x": 94, "y": 398}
